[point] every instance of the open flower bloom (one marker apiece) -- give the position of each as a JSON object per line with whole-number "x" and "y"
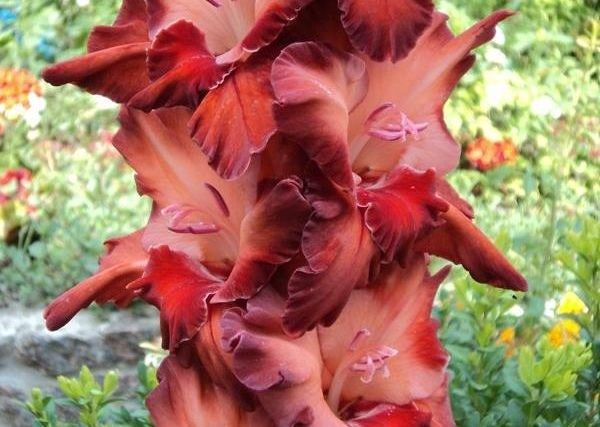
{"x": 295, "y": 153}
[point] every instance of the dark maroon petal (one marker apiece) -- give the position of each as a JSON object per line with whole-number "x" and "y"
{"x": 179, "y": 287}
{"x": 385, "y": 29}
{"x": 123, "y": 263}
{"x": 206, "y": 349}
{"x": 117, "y": 73}
{"x": 181, "y": 69}
{"x": 285, "y": 373}
{"x": 448, "y": 193}
{"x": 339, "y": 252}
{"x": 270, "y": 236}
{"x": 271, "y": 18}
{"x": 316, "y": 87}
{"x": 461, "y": 242}
{"x": 235, "y": 120}
{"x": 115, "y": 65}
{"x": 401, "y": 207}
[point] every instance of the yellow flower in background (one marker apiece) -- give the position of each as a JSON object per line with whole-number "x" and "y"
{"x": 564, "y": 331}
{"x": 571, "y": 304}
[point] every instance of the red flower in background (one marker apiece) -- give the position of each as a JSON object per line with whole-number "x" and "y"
{"x": 484, "y": 154}
{"x": 14, "y": 185}
{"x": 295, "y": 153}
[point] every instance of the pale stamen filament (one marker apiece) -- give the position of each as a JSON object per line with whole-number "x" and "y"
{"x": 176, "y": 214}
{"x": 367, "y": 362}
{"x": 386, "y": 123}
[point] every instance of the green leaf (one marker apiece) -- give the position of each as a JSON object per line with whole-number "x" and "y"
{"x": 526, "y": 363}
{"x": 111, "y": 382}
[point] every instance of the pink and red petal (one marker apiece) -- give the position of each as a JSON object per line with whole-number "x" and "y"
{"x": 339, "y": 253}
{"x": 461, "y": 242}
{"x": 173, "y": 171}
{"x": 393, "y": 317}
{"x": 429, "y": 74}
{"x": 438, "y": 404}
{"x": 316, "y": 87}
{"x": 179, "y": 287}
{"x": 400, "y": 208}
{"x": 385, "y": 29}
{"x": 270, "y": 236}
{"x": 115, "y": 65}
{"x": 375, "y": 414}
{"x": 123, "y": 263}
{"x": 186, "y": 397}
{"x": 181, "y": 68}
{"x": 235, "y": 120}
{"x": 232, "y": 28}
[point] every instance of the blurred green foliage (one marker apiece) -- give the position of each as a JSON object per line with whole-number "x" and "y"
{"x": 97, "y": 404}
{"x": 36, "y": 32}
{"x": 517, "y": 360}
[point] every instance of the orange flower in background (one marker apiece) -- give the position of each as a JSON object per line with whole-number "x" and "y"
{"x": 564, "y": 331}
{"x": 20, "y": 97}
{"x": 507, "y": 338}
{"x": 16, "y": 85}
{"x": 484, "y": 154}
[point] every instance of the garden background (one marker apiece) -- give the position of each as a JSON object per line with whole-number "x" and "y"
{"x": 527, "y": 117}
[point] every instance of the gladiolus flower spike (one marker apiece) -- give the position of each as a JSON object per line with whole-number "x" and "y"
{"x": 295, "y": 153}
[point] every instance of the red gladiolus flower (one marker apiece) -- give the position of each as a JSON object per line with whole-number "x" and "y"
{"x": 295, "y": 153}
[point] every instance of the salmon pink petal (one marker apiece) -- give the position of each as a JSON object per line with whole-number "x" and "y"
{"x": 385, "y": 29}
{"x": 384, "y": 346}
{"x": 270, "y": 236}
{"x": 232, "y": 27}
{"x": 179, "y": 287}
{"x": 339, "y": 252}
{"x": 187, "y": 192}
{"x": 181, "y": 68}
{"x": 123, "y": 263}
{"x": 429, "y": 74}
{"x": 374, "y": 414}
{"x": 115, "y": 65}
{"x": 285, "y": 373}
{"x": 235, "y": 120}
{"x": 438, "y": 404}
{"x": 399, "y": 208}
{"x": 186, "y": 397}
{"x": 461, "y": 242}
{"x": 316, "y": 88}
